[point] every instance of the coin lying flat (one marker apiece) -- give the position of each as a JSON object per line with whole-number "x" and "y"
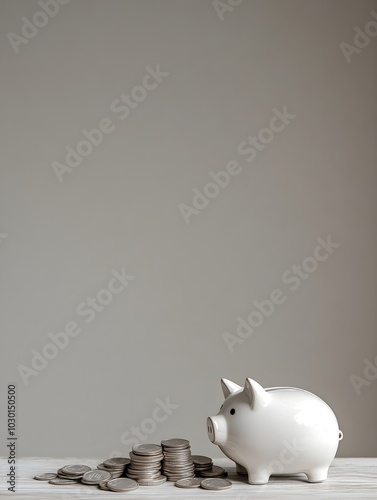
{"x": 147, "y": 449}
{"x": 175, "y": 443}
{"x": 216, "y": 471}
{"x": 145, "y": 458}
{"x": 122, "y": 484}
{"x": 189, "y": 482}
{"x": 95, "y": 476}
{"x": 152, "y": 482}
{"x": 201, "y": 460}
{"x": 59, "y": 481}
{"x": 215, "y": 483}
{"x": 65, "y": 476}
{"x": 75, "y": 470}
{"x": 47, "y": 476}
{"x": 116, "y": 462}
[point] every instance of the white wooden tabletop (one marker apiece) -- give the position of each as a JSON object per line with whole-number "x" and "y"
{"x": 348, "y": 478}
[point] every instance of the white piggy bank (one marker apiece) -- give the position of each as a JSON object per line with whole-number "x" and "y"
{"x": 280, "y": 430}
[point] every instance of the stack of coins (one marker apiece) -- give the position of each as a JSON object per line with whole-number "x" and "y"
{"x": 177, "y": 463}
{"x": 71, "y": 473}
{"x": 145, "y": 466}
{"x": 201, "y": 463}
{"x": 117, "y": 466}
{"x": 215, "y": 471}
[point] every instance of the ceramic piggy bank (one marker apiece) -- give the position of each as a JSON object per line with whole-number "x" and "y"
{"x": 280, "y": 430}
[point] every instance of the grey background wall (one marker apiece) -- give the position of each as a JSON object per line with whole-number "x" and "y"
{"x": 158, "y": 339}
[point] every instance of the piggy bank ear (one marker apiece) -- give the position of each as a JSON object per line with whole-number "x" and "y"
{"x": 229, "y": 387}
{"x": 255, "y": 393}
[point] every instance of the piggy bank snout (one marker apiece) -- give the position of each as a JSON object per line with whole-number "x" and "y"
{"x": 216, "y": 429}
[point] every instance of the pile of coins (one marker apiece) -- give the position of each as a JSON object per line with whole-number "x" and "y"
{"x": 177, "y": 463}
{"x": 70, "y": 474}
{"x": 117, "y": 466}
{"x": 215, "y": 483}
{"x": 215, "y": 471}
{"x": 145, "y": 466}
{"x": 201, "y": 463}
{"x": 173, "y": 458}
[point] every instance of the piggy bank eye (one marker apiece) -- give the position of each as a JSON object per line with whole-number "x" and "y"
{"x": 232, "y": 411}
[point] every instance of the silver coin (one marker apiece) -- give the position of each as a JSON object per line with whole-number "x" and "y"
{"x": 147, "y": 449}
{"x": 152, "y": 482}
{"x": 201, "y": 460}
{"x": 131, "y": 470}
{"x": 59, "y": 481}
{"x": 181, "y": 463}
{"x": 141, "y": 473}
{"x": 66, "y": 476}
{"x": 216, "y": 471}
{"x": 144, "y": 476}
{"x": 179, "y": 467}
{"x": 215, "y": 483}
{"x": 106, "y": 467}
{"x": 175, "y": 443}
{"x": 101, "y": 466}
{"x": 203, "y": 467}
{"x": 103, "y": 485}
{"x": 189, "y": 482}
{"x": 145, "y": 460}
{"x": 115, "y": 475}
{"x": 75, "y": 470}
{"x": 176, "y": 449}
{"x": 46, "y": 476}
{"x": 122, "y": 484}
{"x": 180, "y": 453}
{"x": 146, "y": 465}
{"x": 182, "y": 472}
{"x": 95, "y": 476}
{"x": 178, "y": 461}
{"x": 116, "y": 462}
{"x": 174, "y": 479}
{"x": 138, "y": 471}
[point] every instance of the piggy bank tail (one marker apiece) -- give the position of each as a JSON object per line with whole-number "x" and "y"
{"x": 340, "y": 435}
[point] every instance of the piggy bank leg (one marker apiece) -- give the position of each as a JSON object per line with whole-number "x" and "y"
{"x": 240, "y": 469}
{"x": 260, "y": 476}
{"x": 317, "y": 475}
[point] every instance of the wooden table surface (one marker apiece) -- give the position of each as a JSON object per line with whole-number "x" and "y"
{"x": 348, "y": 478}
